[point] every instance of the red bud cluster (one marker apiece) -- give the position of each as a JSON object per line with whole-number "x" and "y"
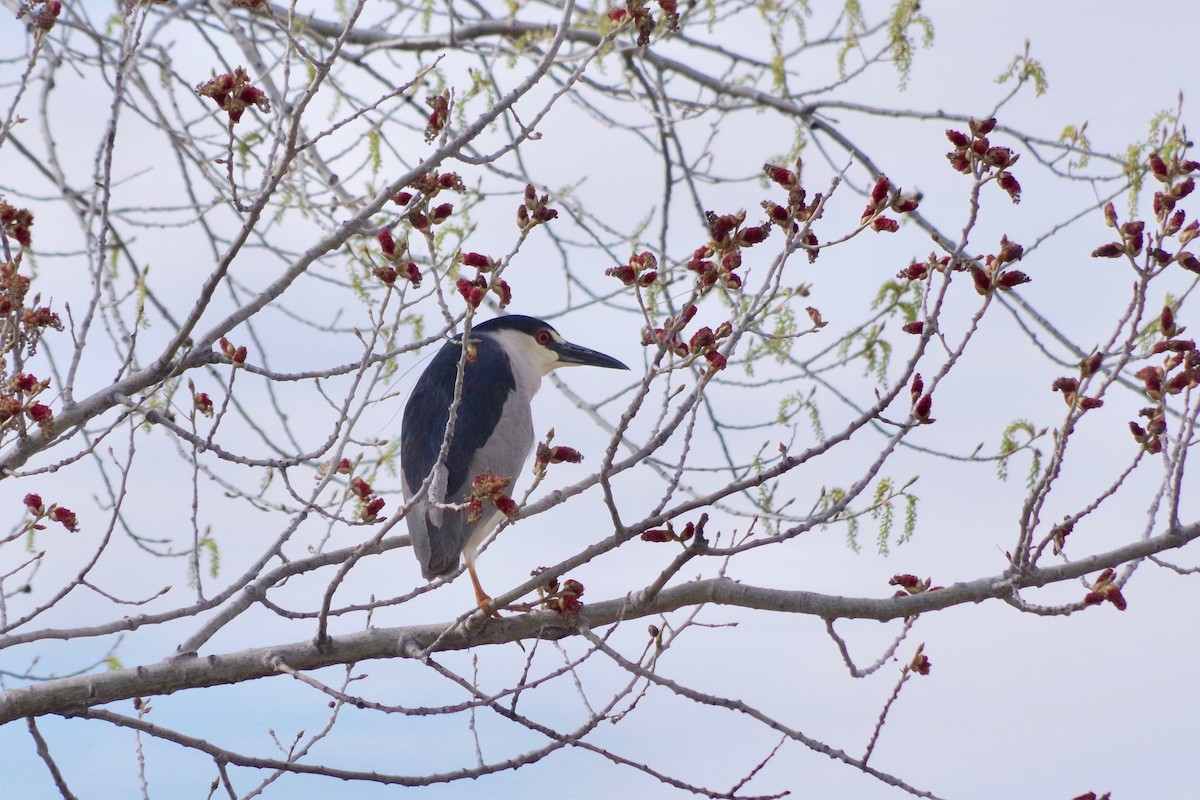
{"x": 637, "y": 13}
{"x": 556, "y": 454}
{"x": 922, "y": 402}
{"x": 992, "y": 275}
{"x": 1070, "y": 390}
{"x": 669, "y": 534}
{"x": 432, "y": 182}
{"x": 479, "y": 261}
{"x": 1059, "y": 534}
{"x": 40, "y": 413}
{"x": 473, "y": 291}
{"x": 920, "y": 270}
{"x": 439, "y": 114}
{"x": 233, "y": 94}
{"x": 236, "y": 355}
{"x": 202, "y": 403}
{"x": 721, "y": 256}
{"x": 974, "y": 154}
{"x": 16, "y": 223}
{"x": 1150, "y": 437}
{"x": 705, "y": 342}
{"x": 487, "y": 487}
{"x": 640, "y": 271}
{"x": 369, "y": 505}
{"x": 534, "y": 210}
{"x": 42, "y": 15}
{"x": 910, "y": 584}
{"x": 1175, "y": 175}
{"x": 562, "y": 598}
{"x": 798, "y": 209}
{"x": 55, "y": 513}
{"x": 1179, "y": 184}
{"x": 400, "y": 265}
{"x": 670, "y": 332}
{"x": 1106, "y": 588}
{"x": 882, "y": 197}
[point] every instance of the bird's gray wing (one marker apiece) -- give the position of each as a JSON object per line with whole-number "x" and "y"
{"x": 438, "y": 535}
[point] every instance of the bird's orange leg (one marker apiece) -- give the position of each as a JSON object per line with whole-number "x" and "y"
{"x": 481, "y": 597}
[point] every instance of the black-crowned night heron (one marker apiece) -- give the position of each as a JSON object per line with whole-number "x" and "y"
{"x": 493, "y": 432}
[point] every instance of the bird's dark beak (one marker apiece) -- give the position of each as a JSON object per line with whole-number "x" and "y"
{"x": 570, "y": 355}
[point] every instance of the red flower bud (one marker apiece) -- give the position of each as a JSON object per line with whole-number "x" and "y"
{"x": 1188, "y": 262}
{"x": 777, "y": 213}
{"x": 1151, "y": 378}
{"x": 879, "y": 191}
{"x": 34, "y": 503}
{"x": 1157, "y": 167}
{"x": 502, "y": 291}
{"x": 560, "y": 453}
{"x": 9, "y": 408}
{"x": 1012, "y": 278}
{"x": 64, "y": 516}
{"x": 624, "y": 273}
{"x": 1166, "y": 322}
{"x": 755, "y": 235}
{"x": 441, "y": 213}
{"x": 40, "y": 413}
{"x": 1110, "y": 215}
{"x": 203, "y": 403}
{"x": 957, "y": 138}
{"x": 386, "y": 243}
{"x": 983, "y": 284}
{"x": 784, "y": 177}
{"x": 408, "y": 270}
{"x": 702, "y": 340}
{"x": 472, "y": 291}
{"x": 370, "y": 511}
{"x": 478, "y": 260}
{"x": 998, "y": 157}
{"x": 910, "y": 583}
{"x": 982, "y": 127}
{"x": 916, "y": 327}
{"x": 506, "y": 506}
{"x": 922, "y": 409}
{"x": 1009, "y": 184}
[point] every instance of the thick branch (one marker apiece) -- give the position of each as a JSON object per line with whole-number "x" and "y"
{"x": 175, "y": 674}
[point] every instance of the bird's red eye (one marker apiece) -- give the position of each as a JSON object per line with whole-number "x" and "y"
{"x": 543, "y": 338}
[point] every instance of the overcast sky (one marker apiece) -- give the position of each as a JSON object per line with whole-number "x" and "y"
{"x": 1016, "y": 705}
